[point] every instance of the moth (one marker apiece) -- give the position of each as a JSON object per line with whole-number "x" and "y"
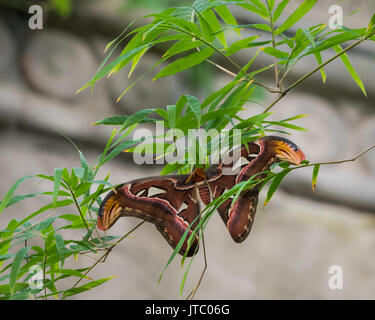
{"x": 172, "y": 202}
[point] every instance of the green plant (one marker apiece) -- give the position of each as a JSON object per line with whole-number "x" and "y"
{"x": 191, "y": 35}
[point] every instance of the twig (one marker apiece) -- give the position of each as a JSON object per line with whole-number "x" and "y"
{"x": 248, "y": 77}
{"x": 296, "y": 83}
{"x": 221, "y": 68}
{"x": 337, "y": 162}
{"x": 28, "y": 228}
{"x": 274, "y": 45}
{"x": 104, "y": 256}
{"x": 192, "y": 293}
{"x": 78, "y": 207}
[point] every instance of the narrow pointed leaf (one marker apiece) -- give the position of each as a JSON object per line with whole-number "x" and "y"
{"x": 88, "y": 286}
{"x": 275, "y": 184}
{"x": 7, "y": 198}
{"x": 279, "y": 10}
{"x": 57, "y": 182}
{"x": 315, "y": 176}
{"x": 185, "y": 63}
{"x": 345, "y": 59}
{"x": 21, "y": 254}
{"x": 297, "y": 15}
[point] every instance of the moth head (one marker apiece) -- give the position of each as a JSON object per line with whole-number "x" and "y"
{"x": 109, "y": 211}
{"x": 285, "y": 150}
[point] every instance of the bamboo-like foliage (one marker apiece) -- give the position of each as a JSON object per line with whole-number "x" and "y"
{"x": 190, "y": 35}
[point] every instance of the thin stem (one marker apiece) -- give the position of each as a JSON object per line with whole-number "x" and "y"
{"x": 28, "y": 228}
{"x": 274, "y": 102}
{"x": 336, "y": 162}
{"x": 222, "y": 68}
{"x": 324, "y": 64}
{"x": 192, "y": 294}
{"x": 78, "y": 207}
{"x": 299, "y": 81}
{"x": 274, "y": 45}
{"x": 271, "y": 90}
{"x": 104, "y": 256}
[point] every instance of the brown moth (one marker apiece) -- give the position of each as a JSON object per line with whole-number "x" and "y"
{"x": 175, "y": 204}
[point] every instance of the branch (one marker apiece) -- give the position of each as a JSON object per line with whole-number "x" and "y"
{"x": 337, "y": 162}
{"x": 230, "y": 60}
{"x": 104, "y": 256}
{"x": 296, "y": 83}
{"x": 274, "y": 45}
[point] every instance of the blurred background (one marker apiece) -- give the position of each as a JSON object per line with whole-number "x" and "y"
{"x": 294, "y": 240}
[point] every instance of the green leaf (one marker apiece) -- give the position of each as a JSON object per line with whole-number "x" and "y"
{"x": 119, "y": 120}
{"x": 136, "y": 59}
{"x": 136, "y": 118}
{"x": 256, "y": 10}
{"x": 122, "y": 59}
{"x": 257, "y": 7}
{"x": 257, "y": 119}
{"x": 171, "y": 111}
{"x": 286, "y": 125}
{"x": 276, "y": 53}
{"x": 217, "y": 96}
{"x": 227, "y": 16}
{"x": 345, "y": 59}
{"x": 21, "y": 254}
{"x": 295, "y": 117}
{"x": 73, "y": 273}
{"x": 88, "y": 286}
{"x": 240, "y": 44}
{"x": 259, "y": 26}
{"x": 60, "y": 246}
{"x": 185, "y": 63}
{"x": 271, "y": 3}
{"x": 57, "y": 178}
{"x": 180, "y": 104}
{"x": 16, "y": 199}
{"x": 169, "y": 168}
{"x": 275, "y": 184}
{"x": 58, "y": 204}
{"x": 318, "y": 57}
{"x": 181, "y": 46}
{"x": 116, "y": 151}
{"x": 175, "y": 251}
{"x": 371, "y": 26}
{"x": 63, "y": 7}
{"x": 301, "y": 11}
{"x": 260, "y": 5}
{"x": 315, "y": 176}
{"x": 215, "y": 26}
{"x": 279, "y": 10}
{"x": 207, "y": 32}
{"x": 44, "y": 224}
{"x": 330, "y": 42}
{"x": 9, "y": 194}
{"x": 195, "y": 106}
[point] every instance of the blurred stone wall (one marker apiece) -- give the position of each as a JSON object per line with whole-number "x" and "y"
{"x": 294, "y": 240}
